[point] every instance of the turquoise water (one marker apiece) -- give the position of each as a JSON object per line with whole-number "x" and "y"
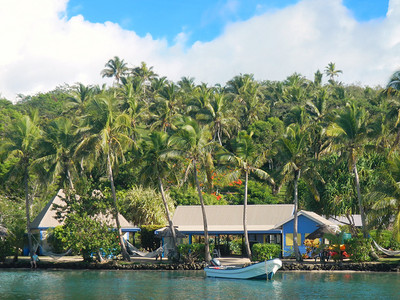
{"x": 65, "y": 284}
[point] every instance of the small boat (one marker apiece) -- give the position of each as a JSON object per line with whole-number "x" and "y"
{"x": 261, "y": 270}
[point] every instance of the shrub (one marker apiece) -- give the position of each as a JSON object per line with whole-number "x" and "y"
{"x": 193, "y": 252}
{"x": 385, "y": 239}
{"x": 358, "y": 248}
{"x": 5, "y": 249}
{"x": 148, "y": 239}
{"x": 55, "y": 239}
{"x": 236, "y": 246}
{"x": 265, "y": 251}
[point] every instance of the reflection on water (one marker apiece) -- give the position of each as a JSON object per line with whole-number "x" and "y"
{"x": 41, "y": 284}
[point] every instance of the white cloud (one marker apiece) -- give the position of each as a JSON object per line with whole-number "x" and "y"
{"x": 42, "y": 49}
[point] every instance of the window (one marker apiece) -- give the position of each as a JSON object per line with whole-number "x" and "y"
{"x": 289, "y": 239}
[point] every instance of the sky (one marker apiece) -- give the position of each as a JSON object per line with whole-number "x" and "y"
{"x": 48, "y": 43}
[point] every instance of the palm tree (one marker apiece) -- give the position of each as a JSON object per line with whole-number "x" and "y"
{"x": 145, "y": 73}
{"x": 194, "y": 143}
{"x": 293, "y": 152}
{"x": 166, "y": 107}
{"x": 157, "y": 168}
{"x": 109, "y": 138}
{"x": 79, "y": 98}
{"x": 59, "y": 143}
{"x": 246, "y": 160}
{"x": 331, "y": 72}
{"x": 22, "y": 145}
{"x": 247, "y": 92}
{"x": 115, "y": 67}
{"x": 387, "y": 205}
{"x": 222, "y": 121}
{"x": 394, "y": 81}
{"x": 350, "y": 128}
{"x": 392, "y": 92}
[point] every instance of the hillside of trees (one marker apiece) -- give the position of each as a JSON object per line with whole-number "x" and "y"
{"x": 148, "y": 143}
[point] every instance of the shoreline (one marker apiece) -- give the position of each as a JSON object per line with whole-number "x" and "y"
{"x": 76, "y": 263}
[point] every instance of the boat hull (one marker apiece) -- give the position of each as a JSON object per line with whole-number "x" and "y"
{"x": 262, "y": 270}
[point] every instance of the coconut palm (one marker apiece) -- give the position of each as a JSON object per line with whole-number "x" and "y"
{"x": 350, "y": 129}
{"x": 293, "y": 153}
{"x": 331, "y": 72}
{"x": 247, "y": 93}
{"x": 166, "y": 107}
{"x": 21, "y": 148}
{"x": 246, "y": 160}
{"x": 193, "y": 142}
{"x": 222, "y": 121}
{"x": 392, "y": 93}
{"x": 109, "y": 139}
{"x": 115, "y": 67}
{"x": 394, "y": 81}
{"x": 145, "y": 73}
{"x": 59, "y": 142}
{"x": 157, "y": 168}
{"x": 387, "y": 205}
{"x": 79, "y": 97}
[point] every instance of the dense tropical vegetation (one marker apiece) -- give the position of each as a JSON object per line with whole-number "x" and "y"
{"x": 150, "y": 144}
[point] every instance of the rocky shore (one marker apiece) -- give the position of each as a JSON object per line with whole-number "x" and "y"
{"x": 365, "y": 267}
{"x": 118, "y": 265}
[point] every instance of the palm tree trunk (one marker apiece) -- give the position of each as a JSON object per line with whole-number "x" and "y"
{"x": 203, "y": 210}
{"x": 360, "y": 205}
{"x": 246, "y": 235}
{"x": 295, "y": 221}
{"x": 27, "y": 212}
{"x": 71, "y": 184}
{"x": 171, "y": 225}
{"x": 125, "y": 254}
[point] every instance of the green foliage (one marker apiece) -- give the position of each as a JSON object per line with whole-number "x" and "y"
{"x": 193, "y": 252}
{"x": 258, "y": 193}
{"x": 12, "y": 214}
{"x": 236, "y": 246}
{"x": 261, "y": 252}
{"x": 189, "y": 196}
{"x": 144, "y": 206}
{"x": 185, "y": 196}
{"x": 141, "y": 103}
{"x": 8, "y": 115}
{"x": 265, "y": 132}
{"x": 56, "y": 239}
{"x": 5, "y": 249}
{"x": 87, "y": 236}
{"x": 385, "y": 239}
{"x": 88, "y": 229}
{"x": 50, "y": 105}
{"x": 359, "y": 249}
{"x": 335, "y": 240}
{"x": 149, "y": 240}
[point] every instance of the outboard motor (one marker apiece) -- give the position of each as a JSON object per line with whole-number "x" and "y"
{"x": 215, "y": 262}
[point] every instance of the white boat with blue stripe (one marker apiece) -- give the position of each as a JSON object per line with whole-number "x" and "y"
{"x": 261, "y": 270}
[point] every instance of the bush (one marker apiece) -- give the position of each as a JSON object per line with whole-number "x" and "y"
{"x": 262, "y": 252}
{"x": 5, "y": 249}
{"x": 55, "y": 239}
{"x": 358, "y": 248}
{"x": 385, "y": 239}
{"x": 193, "y": 252}
{"x": 236, "y": 246}
{"x": 149, "y": 240}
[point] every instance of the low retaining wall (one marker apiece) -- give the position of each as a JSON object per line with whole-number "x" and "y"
{"x": 366, "y": 267}
{"x": 287, "y": 266}
{"x": 105, "y": 266}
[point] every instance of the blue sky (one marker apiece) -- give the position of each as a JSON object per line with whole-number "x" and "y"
{"x": 201, "y": 20}
{"x": 57, "y": 42}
